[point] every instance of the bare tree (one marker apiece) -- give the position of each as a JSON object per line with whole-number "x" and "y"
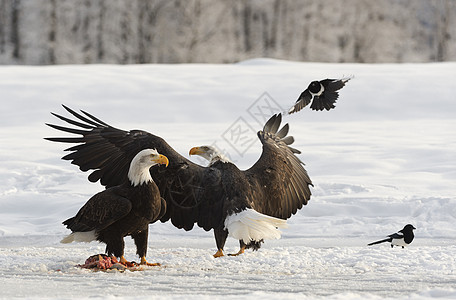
{"x": 15, "y": 37}
{"x": 443, "y": 35}
{"x": 175, "y": 31}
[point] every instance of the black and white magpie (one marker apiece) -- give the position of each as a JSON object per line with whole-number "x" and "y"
{"x": 402, "y": 238}
{"x": 323, "y": 94}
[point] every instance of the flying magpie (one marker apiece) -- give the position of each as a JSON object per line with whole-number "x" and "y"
{"x": 323, "y": 95}
{"x": 402, "y": 238}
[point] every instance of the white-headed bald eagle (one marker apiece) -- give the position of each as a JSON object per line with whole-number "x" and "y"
{"x": 248, "y": 205}
{"x": 121, "y": 210}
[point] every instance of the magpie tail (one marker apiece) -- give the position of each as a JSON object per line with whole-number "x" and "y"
{"x": 381, "y": 241}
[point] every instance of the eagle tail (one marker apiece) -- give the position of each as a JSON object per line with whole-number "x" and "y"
{"x": 250, "y": 225}
{"x": 381, "y": 241}
{"x": 86, "y": 237}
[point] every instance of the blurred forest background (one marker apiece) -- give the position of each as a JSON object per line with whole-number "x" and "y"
{"x": 39, "y": 32}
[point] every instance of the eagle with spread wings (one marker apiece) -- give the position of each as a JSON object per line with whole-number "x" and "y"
{"x": 249, "y": 205}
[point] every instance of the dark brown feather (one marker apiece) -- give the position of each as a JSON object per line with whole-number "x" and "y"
{"x": 276, "y": 185}
{"x": 117, "y": 212}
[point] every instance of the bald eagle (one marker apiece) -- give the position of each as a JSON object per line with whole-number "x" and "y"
{"x": 122, "y": 210}
{"x": 234, "y": 223}
{"x": 248, "y": 205}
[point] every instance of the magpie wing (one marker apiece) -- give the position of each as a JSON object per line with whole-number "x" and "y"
{"x": 303, "y": 100}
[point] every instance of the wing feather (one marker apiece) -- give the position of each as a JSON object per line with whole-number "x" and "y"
{"x": 80, "y": 117}
{"x": 66, "y": 129}
{"x": 303, "y": 100}
{"x": 192, "y": 192}
{"x": 279, "y": 174}
{"x": 95, "y": 118}
{"x": 72, "y": 122}
{"x": 283, "y": 132}
{"x": 288, "y": 140}
{"x": 396, "y": 235}
{"x": 100, "y": 211}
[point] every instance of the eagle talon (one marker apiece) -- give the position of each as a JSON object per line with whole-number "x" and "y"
{"x": 241, "y": 251}
{"x": 151, "y": 264}
{"x": 145, "y": 263}
{"x": 128, "y": 264}
{"x": 219, "y": 253}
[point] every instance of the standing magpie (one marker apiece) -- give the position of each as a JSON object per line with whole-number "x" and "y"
{"x": 401, "y": 238}
{"x": 323, "y": 95}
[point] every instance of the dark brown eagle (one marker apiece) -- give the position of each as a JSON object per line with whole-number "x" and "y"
{"x": 248, "y": 205}
{"x": 122, "y": 210}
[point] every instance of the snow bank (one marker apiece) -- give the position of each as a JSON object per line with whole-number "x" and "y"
{"x": 383, "y": 158}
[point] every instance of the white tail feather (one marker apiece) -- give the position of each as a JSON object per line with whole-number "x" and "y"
{"x": 85, "y": 237}
{"x": 250, "y": 225}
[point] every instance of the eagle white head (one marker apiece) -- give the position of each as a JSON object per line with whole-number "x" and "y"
{"x": 210, "y": 153}
{"x": 141, "y": 163}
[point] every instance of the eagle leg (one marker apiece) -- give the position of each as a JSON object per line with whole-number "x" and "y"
{"x": 220, "y": 235}
{"x": 144, "y": 262}
{"x": 125, "y": 262}
{"x": 242, "y": 247}
{"x": 241, "y": 250}
{"x": 219, "y": 253}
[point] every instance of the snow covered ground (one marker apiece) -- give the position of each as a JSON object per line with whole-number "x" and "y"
{"x": 383, "y": 158}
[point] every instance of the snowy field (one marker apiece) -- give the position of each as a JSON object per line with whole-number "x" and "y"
{"x": 385, "y": 157}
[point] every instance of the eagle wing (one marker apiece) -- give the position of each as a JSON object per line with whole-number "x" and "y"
{"x": 191, "y": 191}
{"x": 107, "y": 150}
{"x": 279, "y": 174}
{"x": 100, "y": 211}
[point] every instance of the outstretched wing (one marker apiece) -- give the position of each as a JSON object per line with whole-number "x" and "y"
{"x": 107, "y": 151}
{"x": 279, "y": 173}
{"x": 100, "y": 211}
{"x": 330, "y": 94}
{"x": 303, "y": 100}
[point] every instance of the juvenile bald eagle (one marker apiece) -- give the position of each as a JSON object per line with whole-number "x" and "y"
{"x": 122, "y": 210}
{"x": 248, "y": 205}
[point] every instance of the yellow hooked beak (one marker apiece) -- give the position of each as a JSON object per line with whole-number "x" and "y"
{"x": 195, "y": 151}
{"x": 161, "y": 159}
